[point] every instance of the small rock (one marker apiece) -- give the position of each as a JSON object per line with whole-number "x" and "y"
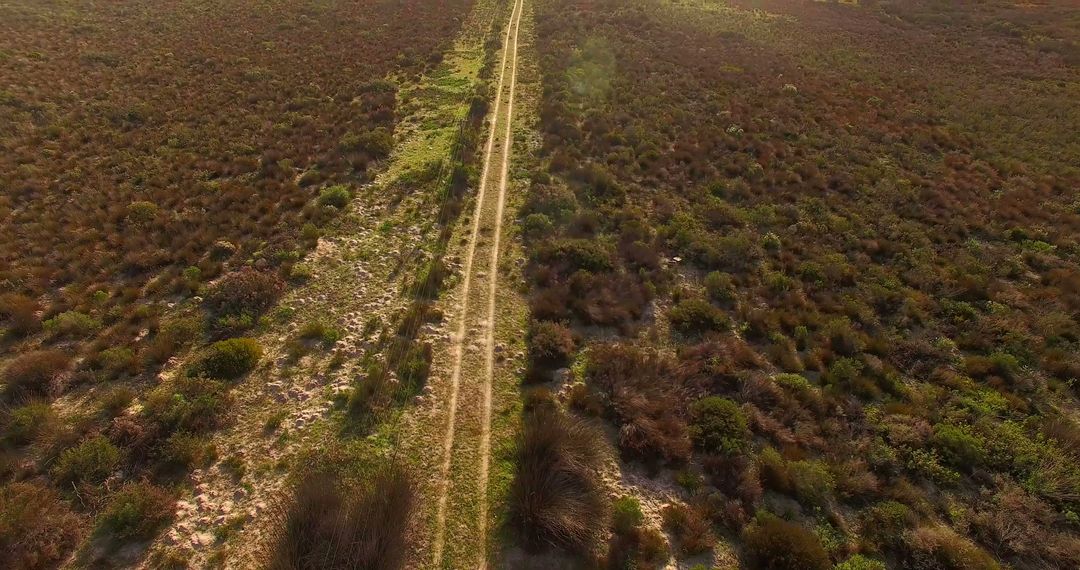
{"x": 204, "y": 538}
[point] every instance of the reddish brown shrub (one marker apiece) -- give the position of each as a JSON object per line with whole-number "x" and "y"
{"x": 34, "y": 374}
{"x": 36, "y": 527}
{"x": 20, "y": 312}
{"x": 692, "y": 531}
{"x": 775, "y": 544}
{"x": 646, "y": 400}
{"x": 550, "y": 344}
{"x": 244, "y": 293}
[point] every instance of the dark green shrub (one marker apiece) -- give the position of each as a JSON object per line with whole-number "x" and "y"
{"x": 960, "y": 445}
{"x": 244, "y": 293}
{"x": 376, "y": 143}
{"x": 775, "y": 544}
{"x": 412, "y": 364}
{"x": 719, "y": 286}
{"x": 550, "y": 344}
{"x": 429, "y": 282}
{"x": 229, "y": 359}
{"x": 555, "y": 202}
{"x": 570, "y": 255}
{"x": 882, "y": 525}
{"x": 141, "y": 212}
{"x": 37, "y": 528}
{"x": 33, "y": 373}
{"x": 116, "y": 360}
{"x": 843, "y": 373}
{"x": 811, "y": 481}
{"x": 115, "y": 400}
{"x": 92, "y": 461}
{"x": 138, "y": 510}
{"x": 537, "y": 226}
{"x": 694, "y": 316}
{"x": 717, "y": 425}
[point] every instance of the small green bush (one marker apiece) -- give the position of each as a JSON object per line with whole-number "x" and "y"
{"x": 26, "y": 422}
{"x": 116, "y": 359}
{"x": 72, "y": 324}
{"x": 376, "y": 143}
{"x": 190, "y": 404}
{"x": 184, "y": 450}
{"x": 337, "y": 196}
{"x": 959, "y": 445}
{"x": 116, "y": 400}
{"x": 142, "y": 212}
{"x": 537, "y": 226}
{"x": 626, "y": 514}
{"x": 775, "y": 544}
{"x": 717, "y": 425}
{"x": 318, "y": 330}
{"x": 695, "y": 316}
{"x": 429, "y": 282}
{"x": 860, "y": 562}
{"x": 138, "y": 510}
{"x": 91, "y": 461}
{"x": 412, "y": 364}
{"x": 883, "y": 525}
{"x": 575, "y": 254}
{"x": 812, "y": 481}
{"x": 719, "y": 286}
{"x": 229, "y": 359}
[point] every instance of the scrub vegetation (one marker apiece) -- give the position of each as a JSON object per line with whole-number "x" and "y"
{"x": 816, "y": 263}
{"x": 803, "y": 284}
{"x": 164, "y": 169}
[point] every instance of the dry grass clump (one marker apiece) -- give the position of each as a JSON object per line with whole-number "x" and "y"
{"x": 34, "y": 374}
{"x": 556, "y": 498}
{"x": 331, "y": 524}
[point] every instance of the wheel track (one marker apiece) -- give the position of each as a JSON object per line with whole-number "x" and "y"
{"x": 510, "y": 51}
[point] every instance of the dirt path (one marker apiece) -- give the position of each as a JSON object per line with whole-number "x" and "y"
{"x": 493, "y": 283}
{"x": 486, "y": 234}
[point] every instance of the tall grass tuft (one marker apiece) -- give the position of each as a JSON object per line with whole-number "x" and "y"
{"x": 556, "y": 498}
{"x": 329, "y": 524}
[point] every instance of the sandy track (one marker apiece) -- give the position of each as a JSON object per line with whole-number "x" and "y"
{"x": 488, "y": 217}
